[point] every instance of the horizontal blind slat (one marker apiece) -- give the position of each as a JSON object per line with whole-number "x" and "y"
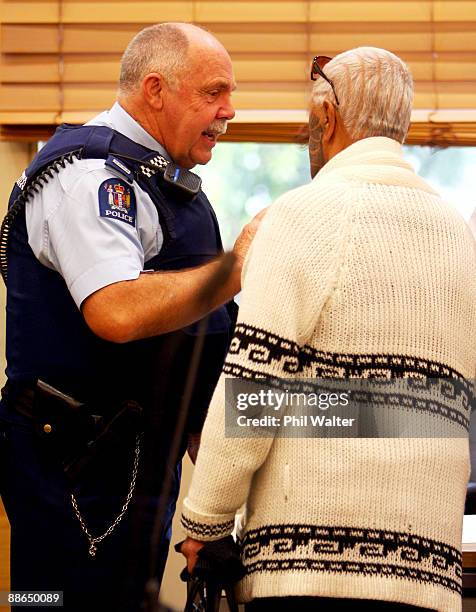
{"x": 30, "y": 12}
{"x": 271, "y": 43}
{"x": 125, "y": 12}
{"x": 83, "y": 68}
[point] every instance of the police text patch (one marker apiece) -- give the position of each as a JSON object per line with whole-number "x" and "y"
{"x": 117, "y": 200}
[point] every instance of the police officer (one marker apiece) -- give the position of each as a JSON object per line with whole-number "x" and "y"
{"x": 109, "y": 244}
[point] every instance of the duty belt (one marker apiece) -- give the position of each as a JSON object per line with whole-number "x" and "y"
{"x": 21, "y": 397}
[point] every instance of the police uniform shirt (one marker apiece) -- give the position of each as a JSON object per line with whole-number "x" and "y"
{"x": 92, "y": 226}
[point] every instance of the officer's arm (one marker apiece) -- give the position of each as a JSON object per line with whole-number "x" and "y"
{"x": 160, "y": 302}
{"x": 155, "y": 303}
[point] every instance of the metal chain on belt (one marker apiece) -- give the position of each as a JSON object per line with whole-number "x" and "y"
{"x": 95, "y": 540}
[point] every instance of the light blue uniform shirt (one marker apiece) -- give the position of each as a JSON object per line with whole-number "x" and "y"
{"x": 68, "y": 234}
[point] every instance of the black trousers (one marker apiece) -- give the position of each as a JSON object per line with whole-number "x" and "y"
{"x": 326, "y": 604}
{"x": 49, "y": 551}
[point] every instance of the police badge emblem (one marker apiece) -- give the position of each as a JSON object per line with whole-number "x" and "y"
{"x": 117, "y": 200}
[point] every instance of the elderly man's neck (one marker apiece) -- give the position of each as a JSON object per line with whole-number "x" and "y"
{"x": 143, "y": 115}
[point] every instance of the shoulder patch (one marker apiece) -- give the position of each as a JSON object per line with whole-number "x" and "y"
{"x": 117, "y": 200}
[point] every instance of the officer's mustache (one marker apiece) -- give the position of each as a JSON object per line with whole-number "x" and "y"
{"x": 216, "y": 128}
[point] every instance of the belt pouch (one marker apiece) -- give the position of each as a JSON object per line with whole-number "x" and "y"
{"x": 61, "y": 423}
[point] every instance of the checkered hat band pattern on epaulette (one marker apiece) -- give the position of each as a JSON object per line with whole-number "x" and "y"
{"x": 158, "y": 161}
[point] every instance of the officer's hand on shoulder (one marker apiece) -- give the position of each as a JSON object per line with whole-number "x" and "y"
{"x": 246, "y": 236}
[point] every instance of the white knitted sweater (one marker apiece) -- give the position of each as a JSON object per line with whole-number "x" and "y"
{"x": 364, "y": 268}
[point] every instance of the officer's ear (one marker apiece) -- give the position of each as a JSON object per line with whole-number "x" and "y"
{"x": 152, "y": 88}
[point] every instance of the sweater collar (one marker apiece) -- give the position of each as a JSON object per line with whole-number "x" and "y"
{"x": 377, "y": 150}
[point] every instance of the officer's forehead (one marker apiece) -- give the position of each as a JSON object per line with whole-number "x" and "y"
{"x": 210, "y": 64}
{"x": 200, "y": 38}
{"x": 204, "y": 48}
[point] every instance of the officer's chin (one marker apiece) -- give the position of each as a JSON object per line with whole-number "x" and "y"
{"x": 202, "y": 158}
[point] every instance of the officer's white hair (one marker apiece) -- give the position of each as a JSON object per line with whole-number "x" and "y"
{"x": 159, "y": 48}
{"x": 375, "y": 91}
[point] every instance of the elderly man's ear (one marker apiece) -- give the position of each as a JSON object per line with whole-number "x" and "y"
{"x": 335, "y": 137}
{"x": 328, "y": 122}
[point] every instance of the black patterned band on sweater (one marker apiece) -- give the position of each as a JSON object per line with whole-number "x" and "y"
{"x": 260, "y": 348}
{"x": 276, "y": 548}
{"x": 387, "y": 399}
{"x": 265, "y": 348}
{"x": 365, "y": 569}
{"x": 204, "y": 530}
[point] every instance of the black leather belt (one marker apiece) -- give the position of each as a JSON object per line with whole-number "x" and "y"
{"x": 22, "y": 398}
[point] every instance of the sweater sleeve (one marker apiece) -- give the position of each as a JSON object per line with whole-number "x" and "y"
{"x": 290, "y": 272}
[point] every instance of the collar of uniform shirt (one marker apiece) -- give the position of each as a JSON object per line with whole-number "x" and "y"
{"x": 127, "y": 125}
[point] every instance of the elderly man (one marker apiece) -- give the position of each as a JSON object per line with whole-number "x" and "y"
{"x": 111, "y": 245}
{"x": 365, "y": 273}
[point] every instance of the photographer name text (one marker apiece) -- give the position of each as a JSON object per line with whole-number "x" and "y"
{"x": 314, "y": 420}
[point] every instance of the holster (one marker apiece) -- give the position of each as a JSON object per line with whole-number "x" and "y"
{"x": 110, "y": 434}
{"x": 67, "y": 429}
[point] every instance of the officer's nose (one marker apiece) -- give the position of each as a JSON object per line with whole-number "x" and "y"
{"x": 227, "y": 111}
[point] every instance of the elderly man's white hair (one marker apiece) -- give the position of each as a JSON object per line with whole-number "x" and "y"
{"x": 159, "y": 48}
{"x": 375, "y": 91}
